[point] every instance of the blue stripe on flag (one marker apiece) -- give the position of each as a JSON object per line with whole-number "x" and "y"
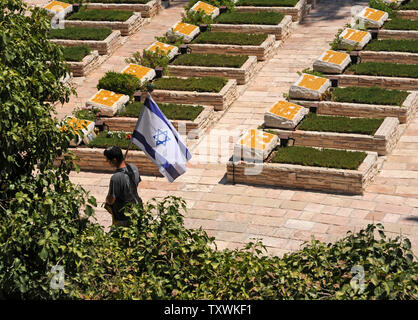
{"x": 151, "y": 151}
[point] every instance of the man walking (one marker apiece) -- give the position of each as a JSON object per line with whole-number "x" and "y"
{"x": 123, "y": 186}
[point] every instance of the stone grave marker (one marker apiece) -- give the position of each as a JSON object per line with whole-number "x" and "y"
{"x": 255, "y": 145}
{"x": 77, "y": 125}
{"x": 369, "y": 17}
{"x": 168, "y": 49}
{"x": 206, "y": 8}
{"x": 185, "y": 30}
{"x": 108, "y": 102}
{"x": 309, "y": 87}
{"x": 142, "y": 73}
{"x": 332, "y": 62}
{"x": 55, "y": 7}
{"x": 284, "y": 115}
{"x": 354, "y": 38}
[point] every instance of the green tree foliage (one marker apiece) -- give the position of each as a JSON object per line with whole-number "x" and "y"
{"x": 39, "y": 207}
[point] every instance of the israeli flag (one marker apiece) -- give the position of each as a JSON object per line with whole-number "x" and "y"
{"x": 156, "y": 136}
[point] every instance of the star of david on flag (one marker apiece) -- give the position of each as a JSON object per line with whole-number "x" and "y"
{"x": 164, "y": 137}
{"x": 160, "y": 141}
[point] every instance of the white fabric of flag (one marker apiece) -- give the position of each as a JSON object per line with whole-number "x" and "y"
{"x": 160, "y": 141}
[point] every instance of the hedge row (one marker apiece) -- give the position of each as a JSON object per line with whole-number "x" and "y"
{"x": 80, "y": 33}
{"x": 385, "y": 69}
{"x": 245, "y": 39}
{"x": 393, "y": 45}
{"x": 326, "y": 158}
{"x": 171, "y": 111}
{"x": 119, "y": 82}
{"x": 267, "y": 3}
{"x": 401, "y": 24}
{"x": 76, "y": 53}
{"x": 210, "y": 60}
{"x": 100, "y": 15}
{"x": 411, "y": 5}
{"x": 313, "y": 122}
{"x": 205, "y": 84}
{"x": 264, "y": 18}
{"x": 376, "y": 95}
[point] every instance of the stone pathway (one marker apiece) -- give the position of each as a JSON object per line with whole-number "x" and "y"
{"x": 282, "y": 218}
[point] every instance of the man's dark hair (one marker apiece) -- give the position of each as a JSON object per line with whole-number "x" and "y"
{"x": 114, "y": 153}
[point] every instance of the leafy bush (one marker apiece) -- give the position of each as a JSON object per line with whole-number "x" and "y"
{"x": 171, "y": 110}
{"x": 107, "y": 139}
{"x": 150, "y": 59}
{"x": 80, "y": 33}
{"x": 119, "y": 82}
{"x": 233, "y": 38}
{"x": 383, "y": 6}
{"x": 85, "y": 113}
{"x": 171, "y": 38}
{"x": 385, "y": 69}
{"x": 369, "y": 96}
{"x": 411, "y": 5}
{"x": 204, "y": 84}
{"x": 76, "y": 53}
{"x": 210, "y": 60}
{"x": 326, "y": 158}
{"x": 39, "y": 206}
{"x": 265, "y": 18}
{"x": 100, "y": 15}
{"x": 267, "y": 3}
{"x": 158, "y": 258}
{"x": 393, "y": 45}
{"x": 313, "y": 122}
{"x": 401, "y": 24}
{"x": 196, "y": 17}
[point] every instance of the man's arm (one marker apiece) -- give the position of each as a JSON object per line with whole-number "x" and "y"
{"x": 111, "y": 198}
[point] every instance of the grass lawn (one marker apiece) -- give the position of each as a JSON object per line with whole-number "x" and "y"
{"x": 411, "y": 5}
{"x": 377, "y": 96}
{"x": 314, "y": 122}
{"x": 401, "y": 24}
{"x": 244, "y": 39}
{"x": 210, "y": 60}
{"x": 204, "y": 84}
{"x": 171, "y": 111}
{"x": 80, "y": 33}
{"x": 393, "y": 45}
{"x": 385, "y": 69}
{"x": 327, "y": 158}
{"x": 76, "y": 53}
{"x": 264, "y": 18}
{"x": 100, "y": 15}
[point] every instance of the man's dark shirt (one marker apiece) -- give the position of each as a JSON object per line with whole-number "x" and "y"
{"x": 123, "y": 190}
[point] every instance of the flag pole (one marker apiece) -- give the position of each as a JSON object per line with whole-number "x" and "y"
{"x": 149, "y": 89}
{"x": 129, "y": 146}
